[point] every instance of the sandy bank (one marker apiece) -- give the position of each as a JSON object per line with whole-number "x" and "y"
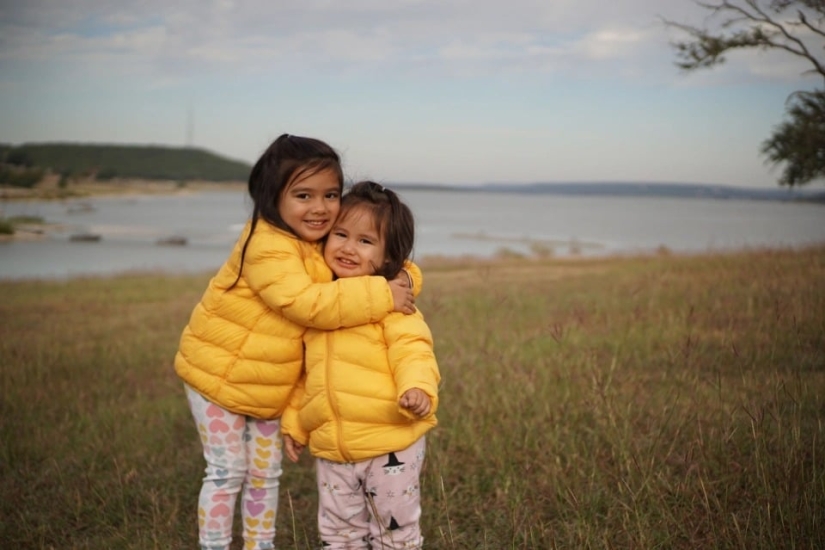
{"x": 49, "y": 188}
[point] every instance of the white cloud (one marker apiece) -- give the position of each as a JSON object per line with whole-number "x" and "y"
{"x": 330, "y": 26}
{"x": 610, "y": 43}
{"x": 483, "y": 36}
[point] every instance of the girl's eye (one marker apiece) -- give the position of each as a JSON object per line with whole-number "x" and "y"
{"x": 366, "y": 241}
{"x": 333, "y": 195}
{"x": 302, "y": 196}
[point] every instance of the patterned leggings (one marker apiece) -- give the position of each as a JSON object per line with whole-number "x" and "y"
{"x": 375, "y": 503}
{"x": 241, "y": 452}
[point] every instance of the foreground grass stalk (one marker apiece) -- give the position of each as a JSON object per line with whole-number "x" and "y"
{"x": 294, "y": 523}
{"x": 448, "y": 536}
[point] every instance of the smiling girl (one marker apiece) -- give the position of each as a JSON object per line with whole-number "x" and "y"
{"x": 371, "y": 391}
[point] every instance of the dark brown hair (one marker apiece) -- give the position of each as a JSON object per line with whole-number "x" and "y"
{"x": 393, "y": 220}
{"x": 288, "y": 158}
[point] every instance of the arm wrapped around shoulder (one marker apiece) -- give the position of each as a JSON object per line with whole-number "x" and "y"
{"x": 414, "y": 276}
{"x": 276, "y": 270}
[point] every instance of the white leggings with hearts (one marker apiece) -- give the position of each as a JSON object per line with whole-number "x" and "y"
{"x": 242, "y": 454}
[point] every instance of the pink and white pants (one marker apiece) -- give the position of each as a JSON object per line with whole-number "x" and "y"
{"x": 243, "y": 454}
{"x": 374, "y": 503}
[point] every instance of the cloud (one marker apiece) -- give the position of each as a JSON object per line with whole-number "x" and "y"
{"x": 610, "y": 43}
{"x": 479, "y": 37}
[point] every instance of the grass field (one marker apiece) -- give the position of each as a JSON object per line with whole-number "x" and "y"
{"x": 662, "y": 402}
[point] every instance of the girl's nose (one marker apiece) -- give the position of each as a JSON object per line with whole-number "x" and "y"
{"x": 347, "y": 246}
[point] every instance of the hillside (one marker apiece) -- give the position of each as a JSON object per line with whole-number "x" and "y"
{"x": 150, "y": 162}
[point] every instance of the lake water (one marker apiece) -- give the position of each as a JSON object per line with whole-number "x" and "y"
{"x": 448, "y": 223}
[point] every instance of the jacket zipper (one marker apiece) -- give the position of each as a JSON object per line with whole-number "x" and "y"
{"x": 333, "y": 399}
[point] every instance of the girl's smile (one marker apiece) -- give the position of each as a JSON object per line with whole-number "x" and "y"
{"x": 354, "y": 246}
{"x": 310, "y": 204}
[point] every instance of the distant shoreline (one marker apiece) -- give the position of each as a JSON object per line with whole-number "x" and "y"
{"x": 49, "y": 188}
{"x": 635, "y": 189}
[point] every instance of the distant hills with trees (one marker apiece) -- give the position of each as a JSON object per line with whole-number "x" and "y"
{"x": 25, "y": 165}
{"x": 105, "y": 162}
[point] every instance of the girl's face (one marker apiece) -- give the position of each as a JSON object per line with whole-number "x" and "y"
{"x": 354, "y": 246}
{"x": 310, "y": 203}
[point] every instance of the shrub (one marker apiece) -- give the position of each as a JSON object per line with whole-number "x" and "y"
{"x": 506, "y": 253}
{"x": 541, "y": 249}
{"x": 106, "y": 174}
{"x": 25, "y": 219}
{"x": 6, "y": 227}
{"x": 26, "y": 178}
{"x": 19, "y": 157}
{"x": 65, "y": 178}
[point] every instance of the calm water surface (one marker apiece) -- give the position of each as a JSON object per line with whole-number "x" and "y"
{"x": 448, "y": 223}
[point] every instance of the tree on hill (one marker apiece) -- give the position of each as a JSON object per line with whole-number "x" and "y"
{"x": 794, "y": 27}
{"x": 18, "y": 157}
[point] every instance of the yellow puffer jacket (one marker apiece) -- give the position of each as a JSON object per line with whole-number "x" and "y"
{"x": 349, "y": 408}
{"x": 242, "y": 348}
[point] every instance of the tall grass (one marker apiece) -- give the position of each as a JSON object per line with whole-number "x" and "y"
{"x": 669, "y": 402}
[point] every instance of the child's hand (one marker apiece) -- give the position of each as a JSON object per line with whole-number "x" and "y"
{"x": 293, "y": 448}
{"x": 402, "y": 295}
{"x": 415, "y": 401}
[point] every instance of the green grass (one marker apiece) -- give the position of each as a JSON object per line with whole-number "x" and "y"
{"x": 666, "y": 402}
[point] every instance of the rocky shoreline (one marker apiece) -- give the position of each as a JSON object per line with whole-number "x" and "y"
{"x": 50, "y": 190}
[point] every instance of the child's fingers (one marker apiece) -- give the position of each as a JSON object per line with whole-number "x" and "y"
{"x": 415, "y": 401}
{"x": 293, "y": 448}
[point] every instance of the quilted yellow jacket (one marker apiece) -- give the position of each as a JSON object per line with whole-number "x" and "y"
{"x": 348, "y": 408}
{"x": 242, "y": 348}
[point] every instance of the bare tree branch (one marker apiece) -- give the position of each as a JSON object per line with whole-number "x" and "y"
{"x": 707, "y": 49}
{"x": 789, "y": 26}
{"x": 809, "y": 26}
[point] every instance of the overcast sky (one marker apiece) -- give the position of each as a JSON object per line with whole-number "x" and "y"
{"x": 441, "y": 91}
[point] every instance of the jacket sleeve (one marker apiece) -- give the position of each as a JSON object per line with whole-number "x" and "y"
{"x": 411, "y": 357}
{"x": 274, "y": 269}
{"x": 290, "y": 425}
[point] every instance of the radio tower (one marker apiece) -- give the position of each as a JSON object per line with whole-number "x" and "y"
{"x": 190, "y": 128}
